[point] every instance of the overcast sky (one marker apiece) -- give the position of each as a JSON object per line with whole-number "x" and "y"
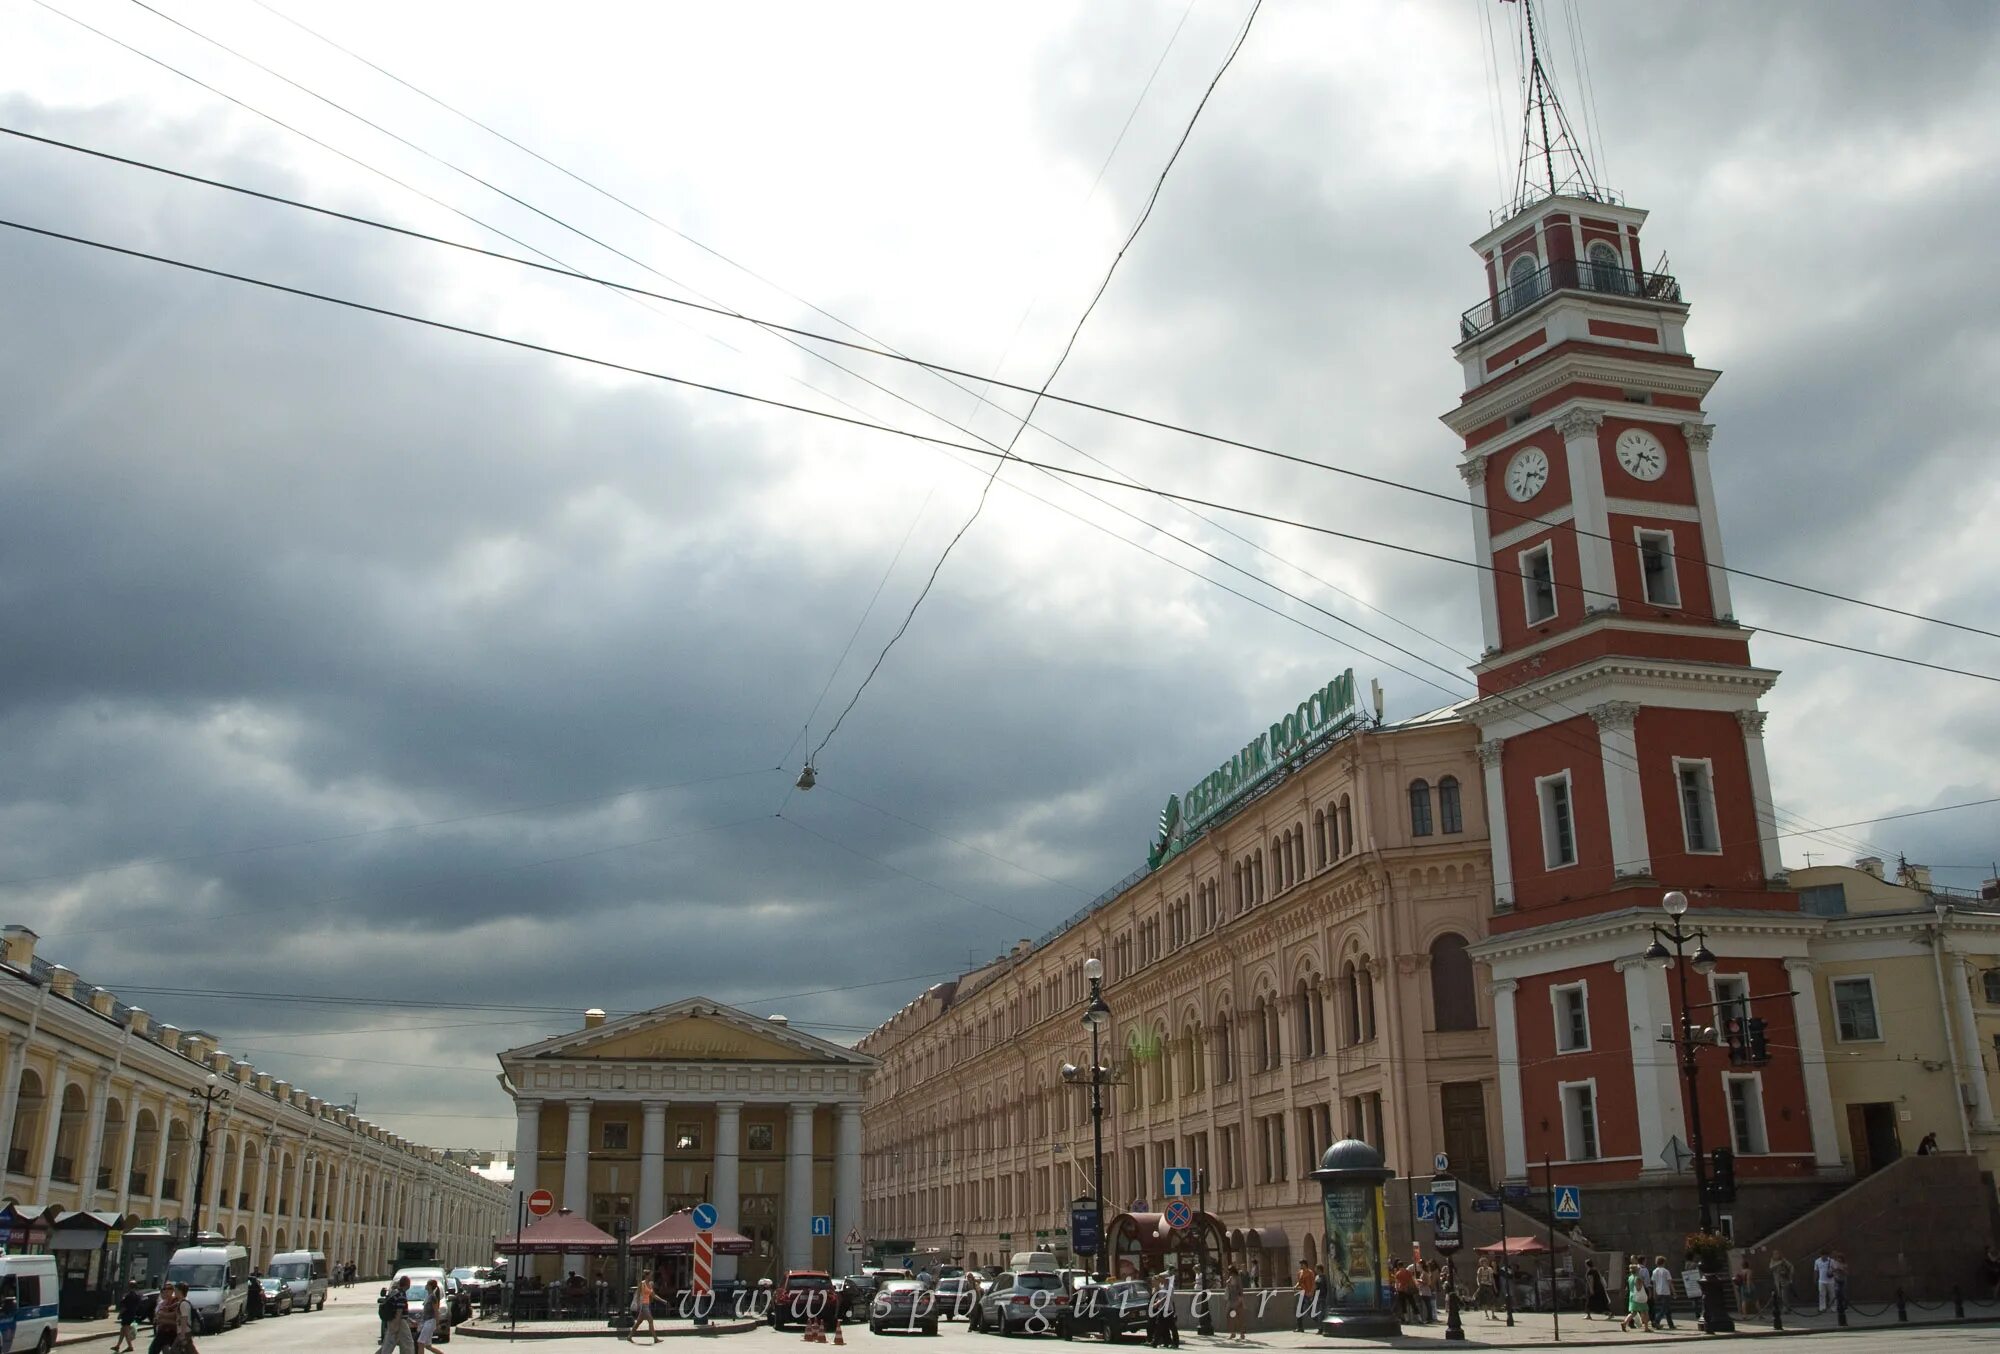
{"x": 282, "y": 586}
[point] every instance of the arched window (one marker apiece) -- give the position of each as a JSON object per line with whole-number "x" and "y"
{"x": 1365, "y": 996}
{"x": 1298, "y": 852}
{"x": 1523, "y": 284}
{"x": 1606, "y": 272}
{"x": 1302, "y": 1043}
{"x": 1346, "y": 826}
{"x": 1350, "y": 1004}
{"x": 1319, "y": 839}
{"x": 1453, "y": 1005}
{"x": 1225, "y": 1049}
{"x": 1420, "y": 808}
{"x": 1271, "y": 1032}
{"x": 1451, "y": 817}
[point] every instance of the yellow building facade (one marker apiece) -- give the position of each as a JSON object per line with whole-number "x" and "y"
{"x": 696, "y": 1102}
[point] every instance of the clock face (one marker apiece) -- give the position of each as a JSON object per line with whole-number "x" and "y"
{"x": 1527, "y": 473}
{"x": 1641, "y": 454}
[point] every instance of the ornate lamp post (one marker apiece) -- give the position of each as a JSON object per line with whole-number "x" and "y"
{"x": 1096, "y": 1019}
{"x": 208, "y": 1098}
{"x": 1669, "y": 946}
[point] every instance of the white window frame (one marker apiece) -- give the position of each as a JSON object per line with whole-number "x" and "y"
{"x": 1755, "y": 1081}
{"x": 1521, "y": 559}
{"x": 1642, "y": 535}
{"x": 1715, "y": 980}
{"x": 1545, "y": 812}
{"x": 1582, "y": 988}
{"x": 1707, "y": 766}
{"x": 1833, "y": 980}
{"x": 1563, "y": 1088}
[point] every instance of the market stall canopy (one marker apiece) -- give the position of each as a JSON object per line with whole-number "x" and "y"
{"x": 560, "y": 1233}
{"x": 675, "y": 1233}
{"x": 1522, "y": 1245}
{"x": 83, "y": 1230}
{"x": 26, "y": 1224}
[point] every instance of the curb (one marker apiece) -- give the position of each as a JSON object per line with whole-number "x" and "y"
{"x": 1754, "y": 1333}
{"x": 670, "y": 1333}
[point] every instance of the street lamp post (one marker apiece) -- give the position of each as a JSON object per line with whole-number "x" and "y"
{"x": 1096, "y": 1018}
{"x": 1670, "y": 947}
{"x": 208, "y": 1098}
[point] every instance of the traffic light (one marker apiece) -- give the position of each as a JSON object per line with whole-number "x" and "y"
{"x": 1755, "y": 1049}
{"x": 1733, "y": 1035}
{"x": 1722, "y": 1175}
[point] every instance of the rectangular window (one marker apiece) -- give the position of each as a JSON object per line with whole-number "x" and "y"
{"x": 1558, "y": 823}
{"x": 1572, "y": 1006}
{"x": 1824, "y": 900}
{"x": 761, "y": 1138}
{"x": 1232, "y": 1157}
{"x": 1697, "y": 785}
{"x": 1580, "y": 1120}
{"x": 1538, "y": 583}
{"x": 1746, "y": 1114}
{"x": 1451, "y": 816}
{"x": 1854, "y": 1010}
{"x": 1656, "y": 568}
{"x": 617, "y": 1137}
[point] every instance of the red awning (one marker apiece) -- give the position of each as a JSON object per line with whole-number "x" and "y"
{"x": 560, "y": 1233}
{"x": 1522, "y": 1245}
{"x": 675, "y": 1233}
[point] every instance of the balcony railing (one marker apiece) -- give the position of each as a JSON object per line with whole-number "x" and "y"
{"x": 1566, "y": 275}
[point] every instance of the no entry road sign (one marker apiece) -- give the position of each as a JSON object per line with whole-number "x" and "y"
{"x": 541, "y": 1203}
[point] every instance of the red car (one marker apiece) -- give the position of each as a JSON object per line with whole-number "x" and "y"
{"x": 802, "y": 1295}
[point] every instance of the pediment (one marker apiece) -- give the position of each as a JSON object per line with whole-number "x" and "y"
{"x": 692, "y": 1031}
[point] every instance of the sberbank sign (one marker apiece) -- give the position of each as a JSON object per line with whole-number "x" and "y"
{"x": 1327, "y": 711}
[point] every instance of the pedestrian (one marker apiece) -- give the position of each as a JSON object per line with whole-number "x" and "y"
{"x": 1302, "y": 1310}
{"x": 1929, "y": 1146}
{"x": 166, "y": 1320}
{"x": 1637, "y": 1308}
{"x": 642, "y": 1308}
{"x": 1839, "y": 1281}
{"x": 1823, "y": 1275}
{"x": 1427, "y": 1291}
{"x": 1989, "y": 1273}
{"x": 428, "y": 1324}
{"x": 1663, "y": 1294}
{"x": 1162, "y": 1332}
{"x": 1780, "y": 1270}
{"x": 394, "y": 1309}
{"x": 1484, "y": 1292}
{"x": 1746, "y": 1301}
{"x": 1232, "y": 1295}
{"x": 1595, "y": 1299}
{"x": 130, "y": 1308}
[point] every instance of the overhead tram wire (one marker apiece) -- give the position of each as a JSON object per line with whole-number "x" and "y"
{"x": 1152, "y": 200}
{"x": 1519, "y": 516}
{"x": 904, "y": 433}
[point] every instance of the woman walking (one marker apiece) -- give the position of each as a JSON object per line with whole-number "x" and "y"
{"x": 642, "y": 1309}
{"x": 1596, "y": 1300}
{"x": 1638, "y": 1312}
{"x": 427, "y": 1329}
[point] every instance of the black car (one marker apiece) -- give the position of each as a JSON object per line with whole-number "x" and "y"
{"x": 1108, "y": 1310}
{"x": 957, "y": 1296}
{"x": 273, "y": 1296}
{"x": 904, "y": 1305}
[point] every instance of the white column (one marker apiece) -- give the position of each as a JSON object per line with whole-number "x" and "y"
{"x": 236, "y": 1184}
{"x": 1507, "y": 1045}
{"x": 1473, "y": 472}
{"x": 1973, "y": 1056}
{"x": 1579, "y": 431}
{"x": 527, "y": 1150}
{"x": 798, "y": 1187}
{"x": 52, "y": 1130}
{"x": 1760, "y": 792}
{"x": 576, "y": 1171}
{"x": 728, "y": 1137}
{"x": 1618, "y": 751}
{"x": 847, "y": 1183}
{"x": 1697, "y": 435}
{"x": 10, "y": 1095}
{"x": 211, "y": 1206}
{"x": 93, "y": 1133}
{"x": 127, "y": 1149}
{"x": 1812, "y": 1063}
{"x": 1490, "y": 754}
{"x": 159, "y": 1179}
{"x": 652, "y": 1163}
{"x": 1655, "y": 1087}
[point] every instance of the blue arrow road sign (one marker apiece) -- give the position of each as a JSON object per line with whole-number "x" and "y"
{"x": 704, "y": 1217}
{"x": 822, "y": 1225}
{"x": 1569, "y": 1204}
{"x": 1426, "y": 1207}
{"x": 1177, "y": 1182}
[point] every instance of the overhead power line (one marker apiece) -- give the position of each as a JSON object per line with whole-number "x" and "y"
{"x": 873, "y": 349}
{"x": 907, "y": 434}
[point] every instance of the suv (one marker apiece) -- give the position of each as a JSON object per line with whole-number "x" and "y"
{"x": 1015, "y": 1300}
{"x": 802, "y": 1295}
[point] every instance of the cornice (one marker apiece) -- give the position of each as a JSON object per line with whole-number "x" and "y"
{"x": 1638, "y": 922}
{"x": 1495, "y": 402}
{"x": 1660, "y": 674}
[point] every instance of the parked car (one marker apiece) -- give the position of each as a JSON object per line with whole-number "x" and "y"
{"x": 480, "y": 1285}
{"x": 1015, "y": 1300}
{"x": 305, "y": 1272}
{"x": 273, "y": 1297}
{"x": 218, "y": 1280}
{"x": 800, "y": 1296}
{"x": 1108, "y": 1310}
{"x": 956, "y": 1297}
{"x": 904, "y": 1305}
{"x": 29, "y": 1292}
{"x": 857, "y": 1291}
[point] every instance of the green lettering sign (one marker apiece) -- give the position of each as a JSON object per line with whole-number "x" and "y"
{"x": 1322, "y": 715}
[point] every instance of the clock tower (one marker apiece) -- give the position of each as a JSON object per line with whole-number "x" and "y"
{"x": 1619, "y": 714}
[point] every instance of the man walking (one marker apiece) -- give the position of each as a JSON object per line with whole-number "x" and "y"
{"x": 1308, "y": 1295}
{"x": 1663, "y": 1294}
{"x": 394, "y": 1310}
{"x": 1823, "y": 1273}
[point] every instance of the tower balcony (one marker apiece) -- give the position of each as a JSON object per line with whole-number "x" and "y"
{"x": 1530, "y": 290}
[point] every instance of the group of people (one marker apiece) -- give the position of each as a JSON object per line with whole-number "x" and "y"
{"x": 394, "y": 1309}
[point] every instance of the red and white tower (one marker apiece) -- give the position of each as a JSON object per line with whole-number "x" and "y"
{"x": 1619, "y": 720}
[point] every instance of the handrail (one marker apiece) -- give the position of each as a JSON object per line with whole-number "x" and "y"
{"x": 1529, "y": 290}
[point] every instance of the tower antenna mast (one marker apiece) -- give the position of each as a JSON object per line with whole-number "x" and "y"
{"x": 1543, "y": 143}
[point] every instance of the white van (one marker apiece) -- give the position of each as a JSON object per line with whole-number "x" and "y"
{"x": 304, "y": 1272}
{"x": 218, "y": 1280}
{"x": 28, "y": 1295}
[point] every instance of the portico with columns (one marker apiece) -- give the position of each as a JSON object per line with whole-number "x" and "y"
{"x": 696, "y": 1102}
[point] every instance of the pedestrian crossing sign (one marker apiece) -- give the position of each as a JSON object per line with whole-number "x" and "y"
{"x": 1569, "y": 1204}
